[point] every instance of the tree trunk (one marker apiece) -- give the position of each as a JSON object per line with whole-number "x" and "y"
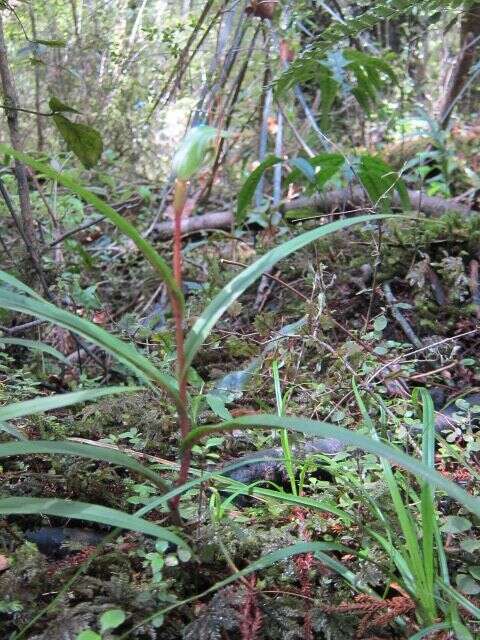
{"x": 36, "y": 67}
{"x": 73, "y": 7}
{"x": 11, "y": 102}
{"x": 469, "y": 37}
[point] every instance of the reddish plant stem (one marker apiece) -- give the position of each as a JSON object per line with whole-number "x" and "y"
{"x": 183, "y": 418}
{"x": 303, "y": 565}
{"x": 250, "y": 614}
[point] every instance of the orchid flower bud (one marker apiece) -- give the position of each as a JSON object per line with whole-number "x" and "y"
{"x": 190, "y": 155}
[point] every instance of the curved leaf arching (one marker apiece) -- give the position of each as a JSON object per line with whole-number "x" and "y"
{"x": 352, "y": 438}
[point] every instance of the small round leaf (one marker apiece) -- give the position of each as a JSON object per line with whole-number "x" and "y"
{"x": 456, "y": 524}
{"x": 88, "y": 634}
{"x": 380, "y": 323}
{"x": 111, "y": 619}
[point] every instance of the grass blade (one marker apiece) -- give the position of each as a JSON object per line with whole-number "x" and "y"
{"x": 93, "y": 452}
{"x": 86, "y": 511}
{"x": 243, "y": 280}
{"x": 248, "y": 189}
{"x": 428, "y": 631}
{"x": 427, "y": 501}
{"x": 420, "y": 589}
{"x": 352, "y": 438}
{"x": 157, "y": 262}
{"x": 47, "y": 403}
{"x": 125, "y": 353}
{"x": 36, "y": 345}
{"x": 17, "y": 284}
{"x": 286, "y": 448}
{"x": 460, "y": 599}
{"x": 12, "y": 431}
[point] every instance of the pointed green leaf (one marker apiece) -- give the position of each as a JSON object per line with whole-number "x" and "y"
{"x": 380, "y": 180}
{"x": 18, "y": 285}
{"x": 322, "y": 168}
{"x": 237, "y": 286}
{"x": 157, "y": 262}
{"x": 245, "y": 194}
{"x": 67, "y": 448}
{"x": 57, "y": 106}
{"x": 37, "y": 346}
{"x": 50, "y": 43}
{"x": 56, "y": 401}
{"x": 125, "y": 353}
{"x": 84, "y": 141}
{"x": 353, "y": 438}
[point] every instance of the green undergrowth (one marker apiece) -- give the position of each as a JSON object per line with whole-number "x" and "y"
{"x": 316, "y": 359}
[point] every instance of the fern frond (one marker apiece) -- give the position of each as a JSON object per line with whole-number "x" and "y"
{"x": 305, "y": 67}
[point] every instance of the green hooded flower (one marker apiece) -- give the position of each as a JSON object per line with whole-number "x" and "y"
{"x": 191, "y": 153}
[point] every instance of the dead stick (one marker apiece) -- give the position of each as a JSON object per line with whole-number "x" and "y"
{"x": 406, "y": 328}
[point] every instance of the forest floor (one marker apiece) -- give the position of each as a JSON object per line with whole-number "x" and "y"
{"x": 401, "y": 316}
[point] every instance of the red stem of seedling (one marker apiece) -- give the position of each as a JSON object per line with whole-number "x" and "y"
{"x": 183, "y": 418}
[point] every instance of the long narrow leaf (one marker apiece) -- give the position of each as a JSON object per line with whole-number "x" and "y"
{"x": 399, "y": 560}
{"x": 324, "y": 429}
{"x": 355, "y": 581}
{"x": 427, "y": 631}
{"x": 289, "y": 498}
{"x": 47, "y": 403}
{"x": 427, "y": 503}
{"x": 85, "y": 511}
{"x": 18, "y": 284}
{"x": 237, "y": 286}
{"x": 125, "y": 353}
{"x": 36, "y": 345}
{"x": 12, "y": 431}
{"x": 460, "y": 599}
{"x": 248, "y": 189}
{"x": 119, "y": 221}
{"x": 286, "y": 448}
{"x": 414, "y": 557}
{"x": 93, "y": 452}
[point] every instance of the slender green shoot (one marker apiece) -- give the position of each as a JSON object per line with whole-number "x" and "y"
{"x": 286, "y": 448}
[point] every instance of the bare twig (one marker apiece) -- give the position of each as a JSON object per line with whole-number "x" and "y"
{"x": 396, "y": 313}
{"x": 72, "y": 232}
{"x": 20, "y": 328}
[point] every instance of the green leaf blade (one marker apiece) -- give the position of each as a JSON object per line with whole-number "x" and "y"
{"x": 85, "y": 511}
{"x": 157, "y": 262}
{"x": 243, "y": 280}
{"x": 245, "y": 194}
{"x": 352, "y": 438}
{"x": 84, "y": 141}
{"x": 125, "y": 353}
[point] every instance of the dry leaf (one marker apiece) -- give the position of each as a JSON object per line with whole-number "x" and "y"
{"x": 4, "y": 563}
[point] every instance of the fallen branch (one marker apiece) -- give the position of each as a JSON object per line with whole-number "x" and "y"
{"x": 401, "y": 320}
{"x": 322, "y": 202}
{"x": 356, "y": 196}
{"x": 216, "y": 220}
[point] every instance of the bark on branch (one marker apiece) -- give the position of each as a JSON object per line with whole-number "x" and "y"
{"x": 328, "y": 202}
{"x": 342, "y": 199}
{"x": 469, "y": 37}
